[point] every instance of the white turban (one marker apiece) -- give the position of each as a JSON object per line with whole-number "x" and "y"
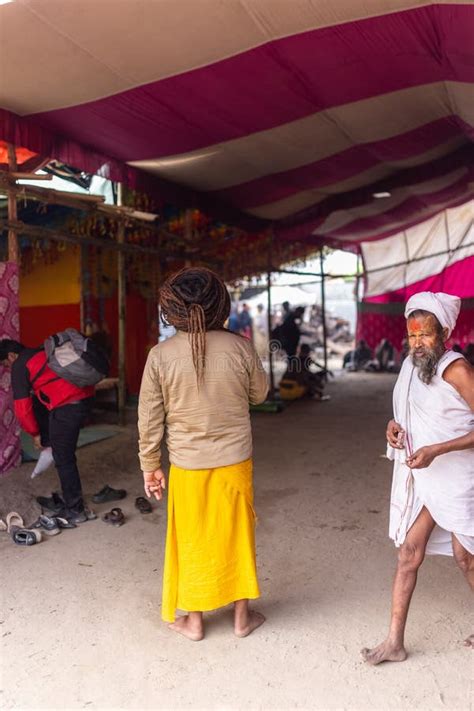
{"x": 444, "y": 306}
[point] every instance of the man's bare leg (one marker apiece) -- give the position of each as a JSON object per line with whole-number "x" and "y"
{"x": 246, "y": 620}
{"x": 410, "y": 557}
{"x": 190, "y": 625}
{"x": 465, "y": 561}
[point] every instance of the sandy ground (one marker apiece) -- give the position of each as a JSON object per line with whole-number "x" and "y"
{"x": 81, "y": 612}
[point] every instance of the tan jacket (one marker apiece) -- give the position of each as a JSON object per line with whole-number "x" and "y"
{"x": 207, "y": 427}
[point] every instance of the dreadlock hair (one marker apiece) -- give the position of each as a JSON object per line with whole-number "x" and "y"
{"x": 195, "y": 300}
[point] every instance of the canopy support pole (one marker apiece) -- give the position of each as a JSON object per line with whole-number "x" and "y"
{"x": 270, "y": 349}
{"x": 121, "y": 302}
{"x": 323, "y": 309}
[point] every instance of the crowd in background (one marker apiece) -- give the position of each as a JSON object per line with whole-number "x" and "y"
{"x": 301, "y": 325}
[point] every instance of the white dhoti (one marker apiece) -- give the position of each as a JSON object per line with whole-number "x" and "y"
{"x": 431, "y": 414}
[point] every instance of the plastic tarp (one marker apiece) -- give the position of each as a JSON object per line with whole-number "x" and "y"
{"x": 436, "y": 255}
{"x": 420, "y": 252}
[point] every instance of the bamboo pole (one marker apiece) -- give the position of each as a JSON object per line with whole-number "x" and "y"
{"x": 18, "y": 175}
{"x": 83, "y": 202}
{"x": 122, "y": 315}
{"x": 32, "y": 232}
{"x": 13, "y": 251}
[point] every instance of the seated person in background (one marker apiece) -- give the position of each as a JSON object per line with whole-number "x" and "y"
{"x": 360, "y": 356}
{"x": 300, "y": 380}
{"x": 384, "y": 361}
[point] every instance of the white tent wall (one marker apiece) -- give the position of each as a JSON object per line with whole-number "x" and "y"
{"x": 419, "y": 252}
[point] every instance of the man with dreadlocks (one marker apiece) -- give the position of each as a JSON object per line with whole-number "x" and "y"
{"x": 431, "y": 440}
{"x": 198, "y": 385}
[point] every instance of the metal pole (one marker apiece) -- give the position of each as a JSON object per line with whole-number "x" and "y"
{"x": 323, "y": 309}
{"x": 122, "y": 303}
{"x": 270, "y": 350}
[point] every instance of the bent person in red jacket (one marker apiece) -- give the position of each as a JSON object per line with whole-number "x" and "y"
{"x": 68, "y": 406}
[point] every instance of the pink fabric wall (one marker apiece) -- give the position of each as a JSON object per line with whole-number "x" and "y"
{"x": 382, "y": 316}
{"x": 457, "y": 279}
{"x": 10, "y": 453}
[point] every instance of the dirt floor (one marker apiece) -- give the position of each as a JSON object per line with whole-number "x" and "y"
{"x": 81, "y": 612}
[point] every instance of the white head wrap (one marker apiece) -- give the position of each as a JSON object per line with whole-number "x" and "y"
{"x": 444, "y": 306}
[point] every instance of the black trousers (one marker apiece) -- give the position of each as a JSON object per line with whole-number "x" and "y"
{"x": 41, "y": 414}
{"x": 64, "y": 426}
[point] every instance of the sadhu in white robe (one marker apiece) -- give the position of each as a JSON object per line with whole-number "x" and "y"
{"x": 431, "y": 414}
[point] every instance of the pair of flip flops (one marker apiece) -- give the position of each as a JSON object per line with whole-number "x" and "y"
{"x": 19, "y": 534}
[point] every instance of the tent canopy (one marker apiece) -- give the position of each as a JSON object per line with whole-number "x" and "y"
{"x": 431, "y": 247}
{"x": 295, "y": 112}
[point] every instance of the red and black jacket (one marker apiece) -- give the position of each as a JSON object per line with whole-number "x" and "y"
{"x": 30, "y": 376}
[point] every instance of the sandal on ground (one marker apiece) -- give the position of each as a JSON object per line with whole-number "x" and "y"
{"x": 25, "y": 537}
{"x": 64, "y": 523}
{"x": 115, "y": 517}
{"x": 108, "y": 494}
{"x": 14, "y": 520}
{"x": 143, "y": 505}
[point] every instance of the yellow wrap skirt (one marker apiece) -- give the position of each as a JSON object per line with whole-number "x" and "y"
{"x": 210, "y": 540}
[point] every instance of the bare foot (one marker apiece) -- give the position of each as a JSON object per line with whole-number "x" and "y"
{"x": 254, "y": 620}
{"x": 188, "y": 628}
{"x": 385, "y": 652}
{"x": 469, "y": 642}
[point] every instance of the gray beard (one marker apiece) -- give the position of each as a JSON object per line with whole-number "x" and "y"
{"x": 428, "y": 362}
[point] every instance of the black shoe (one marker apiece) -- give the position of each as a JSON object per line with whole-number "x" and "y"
{"x": 108, "y": 494}
{"x": 52, "y": 503}
{"x": 76, "y": 517}
{"x": 47, "y": 524}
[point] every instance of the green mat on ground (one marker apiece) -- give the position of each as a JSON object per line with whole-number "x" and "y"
{"x": 268, "y": 406}
{"x": 88, "y": 435}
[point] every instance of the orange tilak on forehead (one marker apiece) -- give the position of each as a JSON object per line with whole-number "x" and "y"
{"x": 415, "y": 325}
{"x": 421, "y": 325}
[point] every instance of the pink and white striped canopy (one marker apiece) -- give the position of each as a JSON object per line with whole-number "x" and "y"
{"x": 294, "y": 111}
